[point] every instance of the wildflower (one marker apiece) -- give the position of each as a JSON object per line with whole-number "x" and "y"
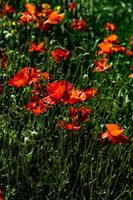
{"x": 76, "y": 96}
{"x": 60, "y": 54}
{"x": 30, "y": 8}
{"x": 26, "y": 18}
{"x": 90, "y": 92}
{"x": 112, "y": 38}
{"x": 118, "y": 49}
{"x": 71, "y": 5}
{"x": 101, "y": 65}
{"x": 23, "y": 77}
{"x": 110, "y": 27}
{"x": 78, "y": 24}
{"x": 114, "y": 134}
{"x": 9, "y": 9}
{"x": 37, "y": 48}
{"x": 46, "y": 76}
{"x": 55, "y": 18}
{"x": 59, "y": 90}
{"x": 105, "y": 48}
{"x": 36, "y": 106}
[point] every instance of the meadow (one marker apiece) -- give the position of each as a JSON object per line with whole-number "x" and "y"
{"x": 66, "y": 100}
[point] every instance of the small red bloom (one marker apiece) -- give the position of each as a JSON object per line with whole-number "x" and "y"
{"x": 30, "y": 8}
{"x": 60, "y": 54}
{"x": 37, "y": 48}
{"x": 101, "y": 65}
{"x": 78, "y": 24}
{"x": 114, "y": 134}
{"x": 26, "y": 18}
{"x": 36, "y": 106}
{"x": 59, "y": 90}
{"x": 9, "y": 9}
{"x": 71, "y": 5}
{"x": 24, "y": 77}
{"x": 54, "y": 18}
{"x": 110, "y": 27}
{"x": 112, "y": 38}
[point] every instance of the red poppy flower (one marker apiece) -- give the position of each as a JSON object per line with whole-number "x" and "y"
{"x": 78, "y": 24}
{"x": 90, "y": 92}
{"x": 26, "y": 18}
{"x": 83, "y": 113}
{"x": 110, "y": 27}
{"x": 101, "y": 65}
{"x": 112, "y": 38}
{"x": 76, "y": 96}
{"x": 55, "y": 18}
{"x": 60, "y": 54}
{"x": 46, "y": 76}
{"x": 114, "y": 134}
{"x": 36, "y": 106}
{"x": 9, "y": 9}
{"x": 59, "y": 90}
{"x": 30, "y": 8}
{"x": 105, "y": 48}
{"x": 71, "y": 5}
{"x": 37, "y": 48}
{"x": 24, "y": 77}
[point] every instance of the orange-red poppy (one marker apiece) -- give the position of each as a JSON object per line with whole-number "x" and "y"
{"x": 110, "y": 26}
{"x": 71, "y": 5}
{"x": 115, "y": 134}
{"x": 59, "y": 90}
{"x": 36, "y": 106}
{"x": 78, "y": 24}
{"x": 76, "y": 96}
{"x": 101, "y": 65}
{"x": 105, "y": 48}
{"x": 37, "y": 48}
{"x": 9, "y": 9}
{"x": 112, "y": 38}
{"x": 24, "y": 77}
{"x": 30, "y": 8}
{"x": 60, "y": 54}
{"x": 46, "y": 76}
{"x": 26, "y": 18}
{"x": 55, "y": 18}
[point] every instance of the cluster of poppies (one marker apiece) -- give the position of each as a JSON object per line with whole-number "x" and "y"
{"x": 109, "y": 46}
{"x": 55, "y": 92}
{"x": 61, "y": 91}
